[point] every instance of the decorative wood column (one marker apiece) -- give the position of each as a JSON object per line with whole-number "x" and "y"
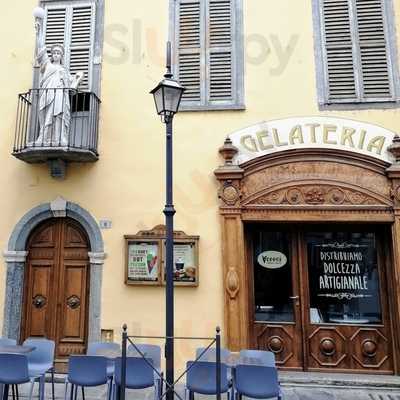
{"x": 233, "y": 251}
{"x": 393, "y": 173}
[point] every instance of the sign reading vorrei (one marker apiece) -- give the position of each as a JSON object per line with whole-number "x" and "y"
{"x": 312, "y": 132}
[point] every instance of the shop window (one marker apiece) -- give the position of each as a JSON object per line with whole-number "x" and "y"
{"x": 208, "y": 53}
{"x": 355, "y": 52}
{"x": 344, "y": 278}
{"x": 273, "y": 291}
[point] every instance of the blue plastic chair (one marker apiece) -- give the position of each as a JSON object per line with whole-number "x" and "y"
{"x": 14, "y": 371}
{"x": 100, "y": 349}
{"x": 86, "y": 371}
{"x": 139, "y": 374}
{"x": 256, "y": 381}
{"x": 153, "y": 352}
{"x": 41, "y": 361}
{"x": 7, "y": 342}
{"x": 257, "y": 357}
{"x": 201, "y": 378}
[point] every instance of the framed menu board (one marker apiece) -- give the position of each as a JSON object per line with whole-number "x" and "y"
{"x": 145, "y": 258}
{"x": 143, "y": 262}
{"x": 186, "y": 256}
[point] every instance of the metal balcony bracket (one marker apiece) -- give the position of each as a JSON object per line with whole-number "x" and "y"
{"x": 57, "y": 168}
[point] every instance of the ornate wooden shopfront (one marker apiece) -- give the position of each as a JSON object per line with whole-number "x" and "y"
{"x": 311, "y": 246}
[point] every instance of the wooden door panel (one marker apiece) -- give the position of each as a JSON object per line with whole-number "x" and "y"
{"x": 283, "y": 341}
{"x": 40, "y": 305}
{"x": 58, "y": 275}
{"x": 74, "y": 303}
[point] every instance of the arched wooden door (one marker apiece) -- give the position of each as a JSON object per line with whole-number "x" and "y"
{"x": 56, "y": 290}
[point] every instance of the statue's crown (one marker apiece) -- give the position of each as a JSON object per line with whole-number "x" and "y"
{"x": 57, "y": 46}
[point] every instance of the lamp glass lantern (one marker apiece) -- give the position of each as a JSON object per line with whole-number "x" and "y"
{"x": 167, "y": 97}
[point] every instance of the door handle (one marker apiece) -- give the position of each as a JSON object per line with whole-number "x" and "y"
{"x": 294, "y": 297}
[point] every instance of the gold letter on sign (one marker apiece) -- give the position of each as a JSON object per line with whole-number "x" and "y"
{"x": 376, "y": 143}
{"x": 251, "y": 146}
{"x": 327, "y": 130}
{"x": 260, "y": 136}
{"x": 296, "y": 134}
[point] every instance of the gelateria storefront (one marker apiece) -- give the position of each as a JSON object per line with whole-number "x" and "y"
{"x": 310, "y": 214}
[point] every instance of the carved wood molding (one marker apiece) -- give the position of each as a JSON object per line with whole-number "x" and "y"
{"x": 318, "y": 194}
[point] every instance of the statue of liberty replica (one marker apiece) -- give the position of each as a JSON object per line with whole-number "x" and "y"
{"x": 54, "y": 110}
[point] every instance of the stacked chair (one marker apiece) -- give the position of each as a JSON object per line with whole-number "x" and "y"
{"x": 256, "y": 376}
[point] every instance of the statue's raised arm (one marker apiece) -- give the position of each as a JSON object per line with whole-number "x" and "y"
{"x": 41, "y": 52}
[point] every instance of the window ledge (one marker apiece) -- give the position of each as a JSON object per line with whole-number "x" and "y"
{"x": 390, "y": 104}
{"x": 224, "y": 107}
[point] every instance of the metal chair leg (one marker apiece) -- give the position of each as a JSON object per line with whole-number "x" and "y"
{"x": 13, "y": 391}
{"x": 17, "y": 391}
{"x": 72, "y": 392}
{"x": 76, "y": 392}
{"x": 31, "y": 389}
{"x": 52, "y": 383}
{"x": 83, "y": 393}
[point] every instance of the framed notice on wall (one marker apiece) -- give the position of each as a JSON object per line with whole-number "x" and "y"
{"x": 143, "y": 261}
{"x": 145, "y": 258}
{"x": 186, "y": 270}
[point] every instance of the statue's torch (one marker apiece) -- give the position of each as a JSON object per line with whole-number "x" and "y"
{"x": 39, "y": 14}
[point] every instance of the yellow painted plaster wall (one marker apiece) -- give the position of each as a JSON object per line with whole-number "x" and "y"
{"x": 127, "y": 184}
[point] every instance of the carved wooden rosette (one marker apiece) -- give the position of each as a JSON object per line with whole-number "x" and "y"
{"x": 302, "y": 185}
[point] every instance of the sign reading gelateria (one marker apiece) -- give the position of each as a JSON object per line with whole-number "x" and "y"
{"x": 312, "y": 132}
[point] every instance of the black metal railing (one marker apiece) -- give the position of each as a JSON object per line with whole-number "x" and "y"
{"x": 168, "y": 386}
{"x": 57, "y": 118}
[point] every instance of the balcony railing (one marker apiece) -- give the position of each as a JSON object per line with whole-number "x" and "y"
{"x": 57, "y": 124}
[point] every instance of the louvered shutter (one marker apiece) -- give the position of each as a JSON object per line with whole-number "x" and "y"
{"x": 219, "y": 51}
{"x": 55, "y": 26}
{"x": 376, "y": 79}
{"x": 72, "y": 26}
{"x": 82, "y": 28}
{"x": 340, "y": 62}
{"x": 189, "y": 49}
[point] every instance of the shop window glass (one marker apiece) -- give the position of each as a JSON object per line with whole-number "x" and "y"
{"x": 273, "y": 277}
{"x": 344, "y": 278}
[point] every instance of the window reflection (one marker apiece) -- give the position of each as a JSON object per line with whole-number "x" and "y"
{"x": 344, "y": 281}
{"x": 272, "y": 276}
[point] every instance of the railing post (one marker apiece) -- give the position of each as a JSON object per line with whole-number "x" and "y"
{"x": 218, "y": 361}
{"x": 123, "y": 363}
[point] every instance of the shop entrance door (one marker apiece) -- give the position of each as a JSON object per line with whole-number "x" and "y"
{"x": 319, "y": 297}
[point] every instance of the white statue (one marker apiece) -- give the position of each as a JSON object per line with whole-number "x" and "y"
{"x": 54, "y": 104}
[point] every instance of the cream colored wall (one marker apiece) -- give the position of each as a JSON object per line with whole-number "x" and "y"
{"x": 127, "y": 184}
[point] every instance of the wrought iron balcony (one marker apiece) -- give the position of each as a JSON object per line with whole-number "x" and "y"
{"x": 57, "y": 124}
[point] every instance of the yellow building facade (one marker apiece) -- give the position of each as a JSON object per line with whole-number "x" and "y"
{"x": 125, "y": 188}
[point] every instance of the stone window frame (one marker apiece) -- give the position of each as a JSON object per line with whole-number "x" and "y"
{"x": 321, "y": 81}
{"x": 238, "y": 61}
{"x": 98, "y": 37}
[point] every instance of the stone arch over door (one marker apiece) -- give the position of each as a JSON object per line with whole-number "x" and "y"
{"x": 302, "y": 185}
{"x": 15, "y": 257}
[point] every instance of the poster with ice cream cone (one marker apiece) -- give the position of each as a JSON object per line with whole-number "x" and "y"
{"x": 143, "y": 262}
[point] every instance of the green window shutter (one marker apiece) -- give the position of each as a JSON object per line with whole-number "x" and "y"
{"x": 73, "y": 26}
{"x": 190, "y": 50}
{"x": 376, "y": 74}
{"x": 339, "y": 59}
{"x": 220, "y": 51}
{"x": 82, "y": 32}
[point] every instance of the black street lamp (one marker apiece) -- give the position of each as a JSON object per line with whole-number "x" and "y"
{"x": 167, "y": 97}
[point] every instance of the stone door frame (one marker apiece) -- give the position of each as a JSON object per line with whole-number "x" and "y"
{"x": 15, "y": 258}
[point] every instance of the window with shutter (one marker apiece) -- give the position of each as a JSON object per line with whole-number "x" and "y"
{"x": 73, "y": 26}
{"x": 356, "y": 47}
{"x": 209, "y": 53}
